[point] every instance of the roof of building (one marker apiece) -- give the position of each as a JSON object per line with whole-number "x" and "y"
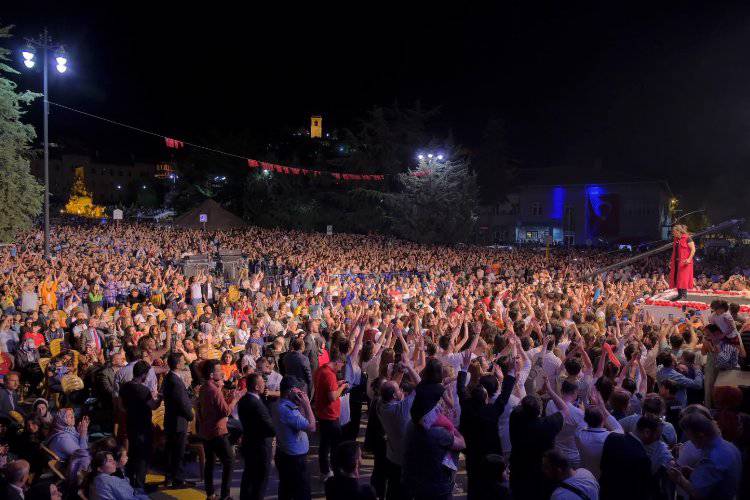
{"x": 577, "y": 175}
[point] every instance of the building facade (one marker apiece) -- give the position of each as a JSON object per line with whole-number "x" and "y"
{"x": 579, "y": 214}
{"x": 108, "y": 183}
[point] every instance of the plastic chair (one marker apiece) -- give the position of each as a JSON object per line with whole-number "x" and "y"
{"x": 55, "y": 347}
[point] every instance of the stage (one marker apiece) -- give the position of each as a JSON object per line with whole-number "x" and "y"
{"x": 661, "y": 305}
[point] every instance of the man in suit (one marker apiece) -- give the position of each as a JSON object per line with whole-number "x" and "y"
{"x": 9, "y": 394}
{"x": 139, "y": 402}
{"x": 626, "y": 467}
{"x": 178, "y": 411}
{"x": 258, "y": 433}
{"x": 297, "y": 364}
{"x": 16, "y": 477}
{"x": 208, "y": 290}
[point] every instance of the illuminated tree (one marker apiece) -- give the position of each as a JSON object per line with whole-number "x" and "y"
{"x": 437, "y": 204}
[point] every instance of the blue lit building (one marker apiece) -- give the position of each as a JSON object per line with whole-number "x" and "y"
{"x": 579, "y": 214}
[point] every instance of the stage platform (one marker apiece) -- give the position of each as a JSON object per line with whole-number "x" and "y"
{"x": 661, "y": 305}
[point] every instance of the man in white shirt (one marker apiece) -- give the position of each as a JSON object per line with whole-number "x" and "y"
{"x": 573, "y": 484}
{"x": 590, "y": 441}
{"x": 196, "y": 294}
{"x": 565, "y": 441}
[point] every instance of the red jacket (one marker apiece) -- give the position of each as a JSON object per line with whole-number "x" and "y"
{"x": 214, "y": 411}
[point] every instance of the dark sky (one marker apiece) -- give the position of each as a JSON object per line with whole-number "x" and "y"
{"x": 657, "y": 88}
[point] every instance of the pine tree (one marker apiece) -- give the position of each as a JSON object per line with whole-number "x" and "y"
{"x": 20, "y": 193}
{"x": 438, "y": 202}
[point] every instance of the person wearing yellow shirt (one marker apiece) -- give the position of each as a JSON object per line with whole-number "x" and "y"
{"x": 48, "y": 290}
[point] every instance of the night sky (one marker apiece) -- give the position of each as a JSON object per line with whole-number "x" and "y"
{"x": 654, "y": 88}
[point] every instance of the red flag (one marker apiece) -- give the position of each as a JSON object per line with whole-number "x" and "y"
{"x": 295, "y": 171}
{"x": 337, "y": 176}
{"x": 173, "y": 143}
{"x": 266, "y": 166}
{"x": 252, "y": 163}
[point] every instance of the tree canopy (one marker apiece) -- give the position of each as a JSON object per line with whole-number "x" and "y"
{"x": 20, "y": 193}
{"x": 437, "y": 203}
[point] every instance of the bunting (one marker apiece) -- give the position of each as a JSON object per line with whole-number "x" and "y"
{"x": 283, "y": 169}
{"x": 173, "y": 143}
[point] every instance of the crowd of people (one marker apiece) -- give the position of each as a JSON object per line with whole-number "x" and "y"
{"x": 508, "y": 367}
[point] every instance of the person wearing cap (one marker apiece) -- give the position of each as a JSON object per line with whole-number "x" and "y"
{"x": 293, "y": 420}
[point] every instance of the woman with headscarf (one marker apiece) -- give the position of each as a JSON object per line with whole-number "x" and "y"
{"x": 42, "y": 412}
{"x": 65, "y": 438}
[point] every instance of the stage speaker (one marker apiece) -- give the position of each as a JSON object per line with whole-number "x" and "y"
{"x": 191, "y": 265}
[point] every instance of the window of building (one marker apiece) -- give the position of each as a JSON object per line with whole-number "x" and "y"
{"x": 536, "y": 208}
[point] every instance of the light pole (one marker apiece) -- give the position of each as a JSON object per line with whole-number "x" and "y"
{"x": 44, "y": 42}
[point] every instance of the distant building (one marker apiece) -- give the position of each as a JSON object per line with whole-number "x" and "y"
{"x": 316, "y": 126}
{"x": 108, "y": 183}
{"x": 579, "y": 214}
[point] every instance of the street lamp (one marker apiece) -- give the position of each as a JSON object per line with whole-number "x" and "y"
{"x": 430, "y": 157}
{"x": 44, "y": 42}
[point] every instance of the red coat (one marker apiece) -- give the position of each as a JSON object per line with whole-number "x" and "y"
{"x": 684, "y": 275}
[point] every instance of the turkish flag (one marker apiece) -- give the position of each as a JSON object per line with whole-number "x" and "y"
{"x": 173, "y": 143}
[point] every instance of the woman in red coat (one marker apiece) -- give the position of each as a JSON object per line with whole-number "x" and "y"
{"x": 681, "y": 263}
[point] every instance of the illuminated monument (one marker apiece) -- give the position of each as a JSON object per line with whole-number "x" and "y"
{"x": 80, "y": 202}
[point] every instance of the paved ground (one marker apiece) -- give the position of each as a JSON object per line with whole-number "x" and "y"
{"x": 315, "y": 482}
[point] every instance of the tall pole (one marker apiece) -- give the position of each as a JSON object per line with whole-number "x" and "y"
{"x": 45, "y": 43}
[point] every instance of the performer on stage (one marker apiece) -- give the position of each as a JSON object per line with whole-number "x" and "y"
{"x": 681, "y": 264}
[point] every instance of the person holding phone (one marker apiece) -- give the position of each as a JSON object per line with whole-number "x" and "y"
{"x": 328, "y": 392}
{"x": 292, "y": 421}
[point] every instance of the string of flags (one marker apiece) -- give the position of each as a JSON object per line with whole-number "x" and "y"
{"x": 282, "y": 169}
{"x": 173, "y": 143}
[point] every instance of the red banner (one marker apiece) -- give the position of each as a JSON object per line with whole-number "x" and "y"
{"x": 173, "y": 143}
